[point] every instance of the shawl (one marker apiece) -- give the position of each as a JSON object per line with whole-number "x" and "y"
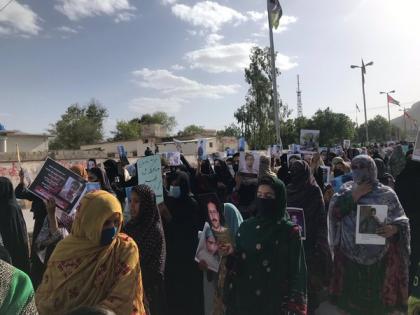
{"x": 265, "y": 169}
{"x": 147, "y": 231}
{"x": 269, "y": 272}
{"x": 13, "y": 226}
{"x": 82, "y": 272}
{"x": 397, "y": 161}
{"x": 233, "y": 218}
{"x": 342, "y": 216}
{"x": 111, "y": 169}
{"x": 303, "y": 192}
{"x": 103, "y": 179}
{"x": 16, "y": 291}
{"x": 79, "y": 170}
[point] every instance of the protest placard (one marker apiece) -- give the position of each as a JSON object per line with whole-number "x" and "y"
{"x": 369, "y": 219}
{"x": 249, "y": 163}
{"x": 56, "y": 181}
{"x": 202, "y": 149}
{"x": 297, "y": 216}
{"x": 326, "y": 177}
{"x": 122, "y": 153}
{"x": 309, "y": 140}
{"x": 150, "y": 173}
{"x": 173, "y": 158}
{"x": 208, "y": 249}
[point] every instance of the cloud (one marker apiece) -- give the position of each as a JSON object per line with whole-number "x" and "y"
{"x": 177, "y": 67}
{"x": 285, "y": 21}
{"x": 256, "y": 16}
{"x": 19, "y": 19}
{"x": 66, "y": 29}
{"x": 172, "y": 85}
{"x": 221, "y": 58}
{"x": 144, "y": 105}
{"x": 78, "y": 9}
{"x": 230, "y": 58}
{"x": 208, "y": 14}
{"x": 170, "y": 2}
{"x": 214, "y": 39}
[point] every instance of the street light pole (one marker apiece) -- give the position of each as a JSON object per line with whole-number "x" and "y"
{"x": 389, "y": 115}
{"x": 363, "y": 70}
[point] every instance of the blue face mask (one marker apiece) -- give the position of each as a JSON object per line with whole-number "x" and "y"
{"x": 174, "y": 191}
{"x": 108, "y": 236}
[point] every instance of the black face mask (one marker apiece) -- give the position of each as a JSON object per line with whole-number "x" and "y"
{"x": 338, "y": 172}
{"x": 266, "y": 207}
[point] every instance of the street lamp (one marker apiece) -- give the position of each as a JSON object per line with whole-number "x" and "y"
{"x": 387, "y": 103}
{"x": 363, "y": 71}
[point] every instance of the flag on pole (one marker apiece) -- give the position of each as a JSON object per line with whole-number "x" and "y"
{"x": 358, "y": 109}
{"x": 393, "y": 101}
{"x": 275, "y": 12}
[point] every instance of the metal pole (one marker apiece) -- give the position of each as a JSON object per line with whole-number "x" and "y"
{"x": 389, "y": 117}
{"x": 274, "y": 77}
{"x": 405, "y": 126}
{"x": 364, "y": 102}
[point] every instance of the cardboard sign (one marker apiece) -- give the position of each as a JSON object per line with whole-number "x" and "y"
{"x": 309, "y": 140}
{"x": 150, "y": 174}
{"x": 122, "y": 153}
{"x": 208, "y": 249}
{"x": 202, "y": 149}
{"x": 369, "y": 219}
{"x": 56, "y": 181}
{"x": 297, "y": 216}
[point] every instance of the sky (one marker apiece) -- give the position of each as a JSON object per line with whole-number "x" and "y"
{"x": 187, "y": 57}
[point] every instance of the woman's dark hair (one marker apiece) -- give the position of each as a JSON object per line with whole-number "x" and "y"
{"x": 212, "y": 198}
{"x": 90, "y": 310}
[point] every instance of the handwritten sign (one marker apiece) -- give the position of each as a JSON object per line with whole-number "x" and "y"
{"x": 150, "y": 174}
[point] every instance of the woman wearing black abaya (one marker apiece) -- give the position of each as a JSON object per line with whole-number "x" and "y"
{"x": 145, "y": 227}
{"x": 39, "y": 214}
{"x": 303, "y": 192}
{"x": 13, "y": 227}
{"x": 182, "y": 277}
{"x": 407, "y": 188}
{"x": 97, "y": 175}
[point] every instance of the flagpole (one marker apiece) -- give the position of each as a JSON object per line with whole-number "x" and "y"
{"x": 363, "y": 70}
{"x": 274, "y": 76}
{"x": 357, "y": 123}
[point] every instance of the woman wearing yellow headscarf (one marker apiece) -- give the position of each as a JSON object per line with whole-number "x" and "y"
{"x": 95, "y": 265}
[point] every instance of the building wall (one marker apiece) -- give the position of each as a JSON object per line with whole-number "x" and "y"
{"x": 190, "y": 147}
{"x": 27, "y": 143}
{"x": 133, "y": 148}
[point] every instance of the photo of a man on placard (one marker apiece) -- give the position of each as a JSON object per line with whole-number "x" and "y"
{"x": 371, "y": 222}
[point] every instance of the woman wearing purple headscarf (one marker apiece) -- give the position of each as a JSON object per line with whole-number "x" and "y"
{"x": 368, "y": 279}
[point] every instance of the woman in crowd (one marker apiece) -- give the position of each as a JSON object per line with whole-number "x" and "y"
{"x": 16, "y": 291}
{"x": 317, "y": 171}
{"x": 13, "y": 227}
{"x": 383, "y": 177}
{"x": 97, "y": 175}
{"x": 39, "y": 214}
{"x": 265, "y": 167}
{"x": 268, "y": 274}
{"x": 396, "y": 161}
{"x": 407, "y": 189}
{"x": 95, "y": 265}
{"x": 368, "y": 279}
{"x": 303, "y": 192}
{"x": 145, "y": 227}
{"x": 283, "y": 173}
{"x": 182, "y": 276}
{"x": 224, "y": 176}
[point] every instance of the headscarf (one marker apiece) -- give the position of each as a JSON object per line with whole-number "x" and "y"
{"x": 300, "y": 176}
{"x": 223, "y": 174}
{"x": 397, "y": 161}
{"x": 13, "y": 226}
{"x": 337, "y": 160}
{"x": 233, "y": 218}
{"x": 343, "y": 227}
{"x": 146, "y": 229}
{"x": 103, "y": 178}
{"x": 111, "y": 169}
{"x": 82, "y": 272}
{"x": 265, "y": 169}
{"x": 383, "y": 176}
{"x": 283, "y": 172}
{"x": 79, "y": 170}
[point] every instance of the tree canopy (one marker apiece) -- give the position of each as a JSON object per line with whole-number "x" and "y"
{"x": 79, "y": 125}
{"x": 191, "y": 130}
{"x": 230, "y": 131}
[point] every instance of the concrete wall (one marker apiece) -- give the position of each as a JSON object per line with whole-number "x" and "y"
{"x": 133, "y": 148}
{"x": 190, "y": 147}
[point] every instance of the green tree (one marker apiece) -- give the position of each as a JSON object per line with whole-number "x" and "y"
{"x": 161, "y": 118}
{"x": 230, "y": 131}
{"x": 191, "y": 130}
{"x": 333, "y": 127}
{"x": 78, "y": 126}
{"x": 378, "y": 128}
{"x": 256, "y": 116}
{"x": 127, "y": 130}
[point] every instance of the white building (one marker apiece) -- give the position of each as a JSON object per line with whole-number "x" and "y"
{"x": 27, "y": 142}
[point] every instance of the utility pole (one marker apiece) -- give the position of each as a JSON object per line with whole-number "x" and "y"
{"x": 363, "y": 71}
{"x": 389, "y": 115}
{"x": 299, "y": 99}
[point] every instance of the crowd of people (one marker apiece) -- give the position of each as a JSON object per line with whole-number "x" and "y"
{"x": 97, "y": 260}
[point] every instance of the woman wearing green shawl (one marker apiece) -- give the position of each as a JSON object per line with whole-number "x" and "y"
{"x": 16, "y": 291}
{"x": 268, "y": 274}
